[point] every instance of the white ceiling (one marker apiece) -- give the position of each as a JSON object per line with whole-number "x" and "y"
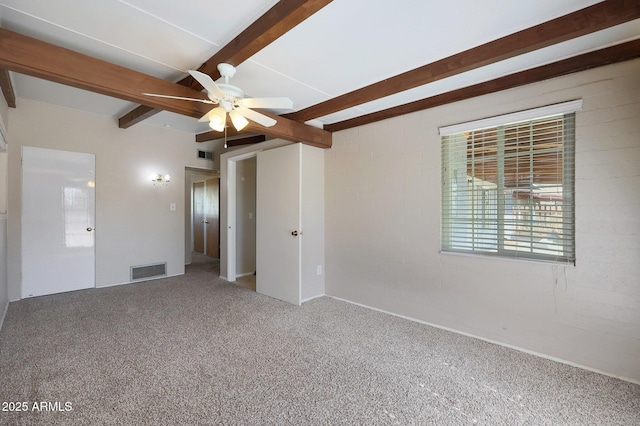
{"x": 346, "y": 45}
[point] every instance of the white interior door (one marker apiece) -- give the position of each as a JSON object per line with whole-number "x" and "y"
{"x": 277, "y": 223}
{"x": 58, "y": 221}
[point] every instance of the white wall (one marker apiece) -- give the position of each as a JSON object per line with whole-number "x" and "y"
{"x": 383, "y": 218}
{"x": 4, "y": 297}
{"x": 134, "y": 225}
{"x": 4, "y": 116}
{"x": 246, "y": 216}
{"x": 312, "y": 206}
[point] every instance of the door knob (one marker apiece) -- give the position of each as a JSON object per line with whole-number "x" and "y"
{"x": 90, "y": 229}
{"x": 296, "y": 233}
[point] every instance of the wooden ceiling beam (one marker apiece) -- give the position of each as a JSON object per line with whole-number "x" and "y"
{"x": 43, "y": 60}
{"x": 292, "y": 131}
{"x": 278, "y": 20}
{"x": 212, "y": 135}
{"x": 249, "y": 140}
{"x": 585, "y": 21}
{"x": 284, "y": 128}
{"x": 619, "y": 53}
{"x": 244, "y": 138}
{"x": 7, "y": 88}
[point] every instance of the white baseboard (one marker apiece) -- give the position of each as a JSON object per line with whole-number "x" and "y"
{"x": 138, "y": 281}
{"x": 245, "y": 274}
{"x": 315, "y": 297}
{"x": 495, "y": 342}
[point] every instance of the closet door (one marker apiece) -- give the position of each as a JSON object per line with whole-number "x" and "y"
{"x": 278, "y": 233}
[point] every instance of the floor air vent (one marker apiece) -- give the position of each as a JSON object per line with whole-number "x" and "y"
{"x": 148, "y": 272}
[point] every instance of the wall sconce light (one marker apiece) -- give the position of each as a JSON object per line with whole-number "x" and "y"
{"x": 160, "y": 179}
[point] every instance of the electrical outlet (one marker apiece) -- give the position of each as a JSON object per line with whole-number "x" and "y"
{"x": 172, "y": 207}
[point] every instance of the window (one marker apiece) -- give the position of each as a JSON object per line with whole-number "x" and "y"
{"x": 508, "y": 185}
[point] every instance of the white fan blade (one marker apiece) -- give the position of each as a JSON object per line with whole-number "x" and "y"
{"x": 207, "y": 82}
{"x": 256, "y": 116}
{"x": 277, "y": 103}
{"x": 204, "y": 101}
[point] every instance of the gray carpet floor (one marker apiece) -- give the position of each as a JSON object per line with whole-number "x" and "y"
{"x": 197, "y": 350}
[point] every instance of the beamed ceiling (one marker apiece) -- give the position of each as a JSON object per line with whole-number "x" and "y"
{"x": 344, "y": 63}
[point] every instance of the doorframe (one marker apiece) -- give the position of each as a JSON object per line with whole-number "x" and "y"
{"x": 231, "y": 211}
{"x": 188, "y": 206}
{"x": 192, "y": 212}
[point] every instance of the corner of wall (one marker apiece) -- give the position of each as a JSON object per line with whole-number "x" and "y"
{"x": 4, "y": 291}
{"x": 3, "y": 312}
{"x": 4, "y": 173}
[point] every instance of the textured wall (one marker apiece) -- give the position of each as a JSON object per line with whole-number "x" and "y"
{"x": 383, "y": 218}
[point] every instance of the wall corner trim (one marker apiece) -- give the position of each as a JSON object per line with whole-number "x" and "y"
{"x": 4, "y": 313}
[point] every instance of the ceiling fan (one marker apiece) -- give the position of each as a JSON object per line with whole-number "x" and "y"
{"x": 230, "y": 99}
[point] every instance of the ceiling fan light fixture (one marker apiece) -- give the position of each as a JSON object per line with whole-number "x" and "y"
{"x": 218, "y": 119}
{"x": 239, "y": 122}
{"x": 230, "y": 99}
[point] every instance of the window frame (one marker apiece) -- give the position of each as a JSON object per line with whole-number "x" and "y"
{"x": 448, "y": 188}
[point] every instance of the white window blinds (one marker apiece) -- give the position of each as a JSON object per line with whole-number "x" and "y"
{"x": 508, "y": 189}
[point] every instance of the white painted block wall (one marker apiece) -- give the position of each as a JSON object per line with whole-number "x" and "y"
{"x": 382, "y": 184}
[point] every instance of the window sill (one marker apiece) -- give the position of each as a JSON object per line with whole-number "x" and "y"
{"x": 509, "y": 259}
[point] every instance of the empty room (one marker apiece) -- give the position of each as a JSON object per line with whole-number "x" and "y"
{"x": 320, "y": 212}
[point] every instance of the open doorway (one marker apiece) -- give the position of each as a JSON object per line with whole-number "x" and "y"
{"x": 234, "y": 243}
{"x": 202, "y": 213}
{"x": 245, "y": 220}
{"x": 206, "y": 217}
{"x": 290, "y": 197}
{"x": 230, "y": 242}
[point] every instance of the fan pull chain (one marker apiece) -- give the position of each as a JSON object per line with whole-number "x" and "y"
{"x": 225, "y": 137}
